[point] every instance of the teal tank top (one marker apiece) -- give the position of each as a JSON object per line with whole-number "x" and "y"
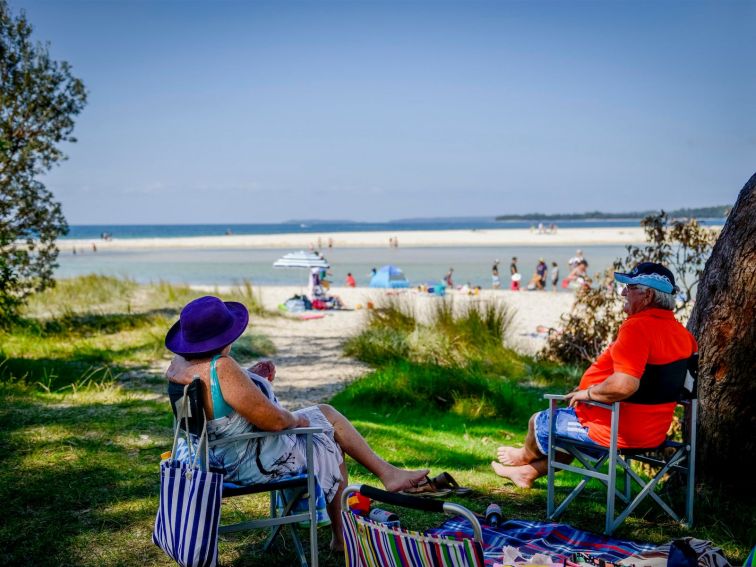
{"x": 220, "y": 406}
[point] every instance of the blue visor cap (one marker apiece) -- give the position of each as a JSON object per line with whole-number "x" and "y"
{"x": 651, "y": 275}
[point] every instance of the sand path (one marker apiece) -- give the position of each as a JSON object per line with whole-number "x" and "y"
{"x": 309, "y": 356}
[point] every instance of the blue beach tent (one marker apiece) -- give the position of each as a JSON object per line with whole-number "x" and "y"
{"x": 389, "y": 276}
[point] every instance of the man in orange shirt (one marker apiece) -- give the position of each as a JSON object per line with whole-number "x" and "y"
{"x": 649, "y": 336}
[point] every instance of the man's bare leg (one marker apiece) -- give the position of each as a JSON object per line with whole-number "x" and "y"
{"x": 353, "y": 444}
{"x": 525, "y": 475}
{"x": 518, "y": 456}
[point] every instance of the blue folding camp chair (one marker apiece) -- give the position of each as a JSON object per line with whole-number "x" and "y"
{"x": 288, "y": 490}
{"x": 674, "y": 382}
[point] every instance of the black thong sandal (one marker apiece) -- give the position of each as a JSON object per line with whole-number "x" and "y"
{"x": 445, "y": 481}
{"x": 428, "y": 489}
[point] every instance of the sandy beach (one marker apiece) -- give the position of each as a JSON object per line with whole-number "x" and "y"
{"x": 310, "y": 361}
{"x": 422, "y": 239}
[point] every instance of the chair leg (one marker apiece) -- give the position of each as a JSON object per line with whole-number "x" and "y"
{"x": 286, "y": 511}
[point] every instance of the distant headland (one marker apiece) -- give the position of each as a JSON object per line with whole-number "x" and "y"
{"x": 720, "y": 211}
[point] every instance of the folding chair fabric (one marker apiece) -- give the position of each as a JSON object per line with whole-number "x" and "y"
{"x": 370, "y": 544}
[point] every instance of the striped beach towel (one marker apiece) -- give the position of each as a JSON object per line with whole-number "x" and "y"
{"x": 370, "y": 544}
{"x": 558, "y": 541}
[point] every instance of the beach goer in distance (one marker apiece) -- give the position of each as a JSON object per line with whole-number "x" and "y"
{"x": 578, "y": 275}
{"x": 649, "y": 335}
{"x": 239, "y": 401}
{"x": 495, "y": 280}
{"x": 541, "y": 270}
{"x": 448, "y": 278}
{"x": 514, "y": 274}
{"x": 554, "y": 276}
{"x": 576, "y": 259}
{"x": 350, "y": 281}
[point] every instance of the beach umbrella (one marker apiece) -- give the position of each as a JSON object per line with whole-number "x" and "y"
{"x": 301, "y": 259}
{"x": 389, "y": 277}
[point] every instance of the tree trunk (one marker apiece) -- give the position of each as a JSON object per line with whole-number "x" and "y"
{"x": 723, "y": 323}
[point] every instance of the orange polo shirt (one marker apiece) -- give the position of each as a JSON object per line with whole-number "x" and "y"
{"x": 652, "y": 336}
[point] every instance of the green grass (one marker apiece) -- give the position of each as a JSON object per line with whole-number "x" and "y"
{"x": 84, "y": 419}
{"x": 98, "y": 327}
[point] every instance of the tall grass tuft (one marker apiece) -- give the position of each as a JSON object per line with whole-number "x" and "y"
{"x": 444, "y": 334}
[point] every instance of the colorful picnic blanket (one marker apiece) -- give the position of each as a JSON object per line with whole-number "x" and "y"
{"x": 558, "y": 541}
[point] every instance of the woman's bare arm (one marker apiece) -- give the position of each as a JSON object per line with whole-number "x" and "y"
{"x": 247, "y": 399}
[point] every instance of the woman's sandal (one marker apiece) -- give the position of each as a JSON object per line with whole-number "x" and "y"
{"x": 426, "y": 488}
{"x": 445, "y": 481}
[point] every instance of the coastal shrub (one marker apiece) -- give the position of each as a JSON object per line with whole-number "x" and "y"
{"x": 595, "y": 318}
{"x": 245, "y": 293}
{"x": 392, "y": 312}
{"x": 445, "y": 334}
{"x": 378, "y": 345}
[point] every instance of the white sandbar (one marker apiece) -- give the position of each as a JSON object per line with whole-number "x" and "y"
{"x": 415, "y": 238}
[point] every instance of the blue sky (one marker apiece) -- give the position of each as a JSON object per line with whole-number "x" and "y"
{"x": 220, "y": 112}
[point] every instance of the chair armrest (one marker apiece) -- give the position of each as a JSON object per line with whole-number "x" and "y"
{"x": 261, "y": 434}
{"x": 560, "y": 397}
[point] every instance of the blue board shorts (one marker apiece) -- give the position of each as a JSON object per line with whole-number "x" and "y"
{"x": 567, "y": 425}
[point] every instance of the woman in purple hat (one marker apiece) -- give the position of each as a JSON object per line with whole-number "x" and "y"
{"x": 239, "y": 401}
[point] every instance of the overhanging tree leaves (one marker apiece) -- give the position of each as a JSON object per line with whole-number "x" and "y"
{"x": 39, "y": 98}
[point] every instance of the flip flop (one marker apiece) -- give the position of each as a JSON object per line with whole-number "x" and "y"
{"x": 445, "y": 481}
{"x": 426, "y": 488}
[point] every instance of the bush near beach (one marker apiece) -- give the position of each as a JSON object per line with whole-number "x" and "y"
{"x": 84, "y": 418}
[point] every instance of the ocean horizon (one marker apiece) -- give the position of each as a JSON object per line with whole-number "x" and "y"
{"x": 131, "y": 231}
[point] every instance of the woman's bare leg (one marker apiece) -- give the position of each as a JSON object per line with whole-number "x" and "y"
{"x": 353, "y": 444}
{"x": 334, "y": 511}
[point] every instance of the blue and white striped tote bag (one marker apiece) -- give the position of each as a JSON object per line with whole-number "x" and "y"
{"x": 186, "y": 526}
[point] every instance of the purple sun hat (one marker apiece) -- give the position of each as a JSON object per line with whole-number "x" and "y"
{"x": 207, "y": 324}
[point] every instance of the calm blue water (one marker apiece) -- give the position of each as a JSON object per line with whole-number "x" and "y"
{"x": 231, "y": 266}
{"x": 183, "y": 230}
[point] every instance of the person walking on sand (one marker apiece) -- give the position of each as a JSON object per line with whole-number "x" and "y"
{"x": 448, "y": 278}
{"x": 350, "y": 281}
{"x": 514, "y": 274}
{"x": 495, "y": 281}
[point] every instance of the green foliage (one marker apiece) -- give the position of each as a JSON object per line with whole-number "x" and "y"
{"x": 447, "y": 334}
{"x": 95, "y": 329}
{"x": 682, "y": 246}
{"x": 433, "y": 390}
{"x": 39, "y": 98}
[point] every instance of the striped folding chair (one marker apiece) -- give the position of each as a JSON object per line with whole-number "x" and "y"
{"x": 370, "y": 544}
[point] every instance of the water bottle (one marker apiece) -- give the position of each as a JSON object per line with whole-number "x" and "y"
{"x": 384, "y": 517}
{"x": 493, "y": 515}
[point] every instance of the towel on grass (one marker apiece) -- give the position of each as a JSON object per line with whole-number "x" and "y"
{"x": 558, "y": 541}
